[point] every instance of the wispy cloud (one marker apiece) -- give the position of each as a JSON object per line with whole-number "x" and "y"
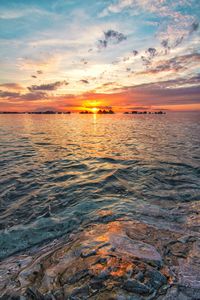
{"x": 84, "y": 81}
{"x": 47, "y": 87}
{"x": 61, "y": 53}
{"x": 11, "y": 86}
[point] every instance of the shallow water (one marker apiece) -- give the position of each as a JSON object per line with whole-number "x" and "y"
{"x": 57, "y": 172}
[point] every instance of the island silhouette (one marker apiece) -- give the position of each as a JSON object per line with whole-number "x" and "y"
{"x": 104, "y": 112}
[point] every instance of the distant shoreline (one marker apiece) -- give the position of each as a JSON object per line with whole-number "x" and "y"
{"x": 92, "y": 113}
{"x": 82, "y": 113}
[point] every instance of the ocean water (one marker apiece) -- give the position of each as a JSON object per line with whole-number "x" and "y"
{"x": 57, "y": 172}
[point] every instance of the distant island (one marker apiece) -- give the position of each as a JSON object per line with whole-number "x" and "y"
{"x": 85, "y": 112}
{"x": 48, "y": 112}
{"x": 104, "y": 112}
{"x": 135, "y": 112}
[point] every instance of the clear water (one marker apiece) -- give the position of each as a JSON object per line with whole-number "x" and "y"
{"x": 58, "y": 171}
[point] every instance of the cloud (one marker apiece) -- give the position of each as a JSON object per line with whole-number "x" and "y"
{"x": 165, "y": 44}
{"x": 174, "y": 84}
{"x": 84, "y": 81}
{"x": 13, "y": 96}
{"x": 85, "y": 62}
{"x": 157, "y": 43}
{"x": 162, "y": 68}
{"x": 116, "y": 36}
{"x": 176, "y": 22}
{"x": 135, "y": 52}
{"x": 111, "y": 37}
{"x": 178, "y": 41}
{"x": 172, "y": 92}
{"x": 174, "y": 64}
{"x": 102, "y": 44}
{"x": 139, "y": 108}
{"x": 45, "y": 108}
{"x": 146, "y": 61}
{"x": 33, "y": 96}
{"x": 7, "y": 94}
{"x": 47, "y": 87}
{"x": 117, "y": 7}
{"x": 194, "y": 27}
{"x": 12, "y": 86}
{"x": 151, "y": 52}
{"x": 168, "y": 93}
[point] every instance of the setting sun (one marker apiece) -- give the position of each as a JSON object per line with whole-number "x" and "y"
{"x": 94, "y": 110}
{"x": 99, "y": 149}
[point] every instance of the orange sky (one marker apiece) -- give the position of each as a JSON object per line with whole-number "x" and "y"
{"x": 96, "y": 54}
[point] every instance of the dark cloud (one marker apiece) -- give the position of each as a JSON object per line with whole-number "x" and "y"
{"x": 135, "y": 52}
{"x": 178, "y": 41}
{"x": 174, "y": 84}
{"x": 47, "y": 87}
{"x": 111, "y": 37}
{"x": 194, "y": 27}
{"x": 39, "y": 72}
{"x": 107, "y": 84}
{"x": 84, "y": 81}
{"x": 165, "y": 43}
{"x": 11, "y": 96}
{"x": 191, "y": 81}
{"x": 172, "y": 92}
{"x": 7, "y": 94}
{"x": 115, "y": 36}
{"x": 102, "y": 44}
{"x": 188, "y": 58}
{"x": 146, "y": 61}
{"x": 152, "y": 52}
{"x": 175, "y": 64}
{"x": 33, "y": 96}
{"x": 163, "y": 67}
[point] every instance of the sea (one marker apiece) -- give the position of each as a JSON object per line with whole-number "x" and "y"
{"x": 58, "y": 171}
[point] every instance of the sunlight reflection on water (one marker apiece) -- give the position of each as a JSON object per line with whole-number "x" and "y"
{"x": 57, "y": 171}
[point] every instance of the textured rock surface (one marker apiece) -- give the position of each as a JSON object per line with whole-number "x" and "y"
{"x": 116, "y": 260}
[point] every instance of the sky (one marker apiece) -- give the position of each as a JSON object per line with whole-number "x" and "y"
{"x": 72, "y": 55}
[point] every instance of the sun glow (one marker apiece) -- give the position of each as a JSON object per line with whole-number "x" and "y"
{"x": 92, "y": 106}
{"x": 94, "y": 110}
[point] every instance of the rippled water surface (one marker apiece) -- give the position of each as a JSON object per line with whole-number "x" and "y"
{"x": 58, "y": 171}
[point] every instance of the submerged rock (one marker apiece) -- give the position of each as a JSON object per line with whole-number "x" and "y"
{"x": 135, "y": 286}
{"x": 137, "y": 249}
{"x": 119, "y": 260}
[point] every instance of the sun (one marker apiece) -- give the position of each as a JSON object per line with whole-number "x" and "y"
{"x": 94, "y": 110}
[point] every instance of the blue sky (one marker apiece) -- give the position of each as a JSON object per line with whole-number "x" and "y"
{"x": 126, "y": 54}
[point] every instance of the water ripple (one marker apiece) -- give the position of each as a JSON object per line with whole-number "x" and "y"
{"x": 56, "y": 174}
